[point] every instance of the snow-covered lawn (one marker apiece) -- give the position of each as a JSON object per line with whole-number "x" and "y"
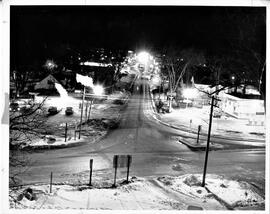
{"x": 162, "y": 193}
{"x": 59, "y": 142}
{"x": 103, "y": 115}
{"x": 192, "y": 117}
{"x": 230, "y": 192}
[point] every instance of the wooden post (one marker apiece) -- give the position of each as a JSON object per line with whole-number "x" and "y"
{"x": 115, "y": 163}
{"x": 51, "y": 182}
{"x": 208, "y": 141}
{"x": 66, "y": 133}
{"x": 198, "y": 136}
{"x": 128, "y": 165}
{"x": 82, "y": 113}
{"x": 91, "y": 170}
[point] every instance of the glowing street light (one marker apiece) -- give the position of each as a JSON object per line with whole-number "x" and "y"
{"x": 98, "y": 90}
{"x": 190, "y": 93}
{"x": 50, "y": 64}
{"x": 143, "y": 57}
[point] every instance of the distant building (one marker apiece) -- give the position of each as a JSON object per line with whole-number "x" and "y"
{"x": 46, "y": 83}
{"x": 241, "y": 108}
{"x": 245, "y": 107}
{"x": 247, "y": 90}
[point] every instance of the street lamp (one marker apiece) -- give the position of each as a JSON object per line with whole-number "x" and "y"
{"x": 190, "y": 93}
{"x": 50, "y": 64}
{"x": 98, "y": 91}
{"x": 143, "y": 57}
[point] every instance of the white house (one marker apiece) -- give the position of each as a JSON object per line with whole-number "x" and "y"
{"x": 251, "y": 109}
{"x": 47, "y": 83}
{"x": 241, "y": 108}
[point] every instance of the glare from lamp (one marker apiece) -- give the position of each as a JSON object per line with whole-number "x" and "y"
{"x": 190, "y": 93}
{"x": 98, "y": 90}
{"x": 143, "y": 57}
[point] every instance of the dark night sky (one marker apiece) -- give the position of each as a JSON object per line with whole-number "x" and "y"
{"x": 43, "y": 32}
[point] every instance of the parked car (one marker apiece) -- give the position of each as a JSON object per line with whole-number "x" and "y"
{"x": 49, "y": 139}
{"x": 25, "y": 109}
{"x": 14, "y": 106}
{"x": 69, "y": 111}
{"x": 52, "y": 110}
{"x": 165, "y": 109}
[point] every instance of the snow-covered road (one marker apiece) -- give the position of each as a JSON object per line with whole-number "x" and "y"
{"x": 153, "y": 148}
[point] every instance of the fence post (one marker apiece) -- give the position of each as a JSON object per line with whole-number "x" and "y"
{"x": 115, "y": 163}
{"x": 198, "y": 136}
{"x": 66, "y": 133}
{"x": 51, "y": 182}
{"x": 128, "y": 165}
{"x": 91, "y": 169}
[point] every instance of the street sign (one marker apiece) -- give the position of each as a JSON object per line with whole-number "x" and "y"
{"x": 173, "y": 94}
{"x": 121, "y": 160}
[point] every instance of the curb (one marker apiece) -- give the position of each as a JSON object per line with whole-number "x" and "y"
{"x": 155, "y": 115}
{"x": 205, "y": 134}
{"x": 63, "y": 146}
{"x": 194, "y": 147}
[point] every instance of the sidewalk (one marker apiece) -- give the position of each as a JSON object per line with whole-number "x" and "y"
{"x": 235, "y": 132}
{"x": 191, "y": 118}
{"x": 201, "y": 145}
{"x": 215, "y": 145}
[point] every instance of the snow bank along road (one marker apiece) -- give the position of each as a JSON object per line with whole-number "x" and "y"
{"x": 153, "y": 148}
{"x": 165, "y": 192}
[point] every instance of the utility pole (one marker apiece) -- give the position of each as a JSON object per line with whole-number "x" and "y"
{"x": 213, "y": 99}
{"x": 82, "y": 112}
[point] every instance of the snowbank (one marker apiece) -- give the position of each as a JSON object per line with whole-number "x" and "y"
{"x": 165, "y": 193}
{"x": 58, "y": 141}
{"x": 231, "y": 193}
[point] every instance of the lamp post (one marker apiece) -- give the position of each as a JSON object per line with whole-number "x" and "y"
{"x": 143, "y": 58}
{"x": 82, "y": 112}
{"x": 190, "y": 93}
{"x": 98, "y": 91}
{"x": 90, "y": 108}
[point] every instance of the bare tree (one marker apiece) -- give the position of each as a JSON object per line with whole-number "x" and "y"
{"x": 177, "y": 64}
{"x": 25, "y": 125}
{"x": 20, "y": 76}
{"x": 249, "y": 47}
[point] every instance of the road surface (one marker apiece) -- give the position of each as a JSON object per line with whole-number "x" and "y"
{"x": 154, "y": 152}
